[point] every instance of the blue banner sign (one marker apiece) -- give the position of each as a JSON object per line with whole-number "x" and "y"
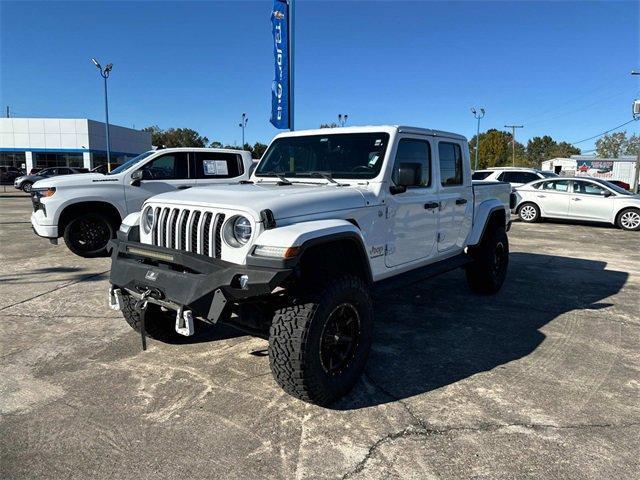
{"x": 280, "y": 88}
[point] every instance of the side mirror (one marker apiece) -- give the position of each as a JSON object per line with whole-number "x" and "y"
{"x": 406, "y": 175}
{"x": 138, "y": 176}
{"x": 606, "y": 193}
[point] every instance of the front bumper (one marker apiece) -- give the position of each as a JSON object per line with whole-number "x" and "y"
{"x": 206, "y": 286}
{"x": 46, "y": 231}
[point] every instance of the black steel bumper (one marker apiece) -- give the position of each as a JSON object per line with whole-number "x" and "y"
{"x": 195, "y": 282}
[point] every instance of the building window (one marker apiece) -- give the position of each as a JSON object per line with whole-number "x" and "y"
{"x": 12, "y": 159}
{"x": 46, "y": 160}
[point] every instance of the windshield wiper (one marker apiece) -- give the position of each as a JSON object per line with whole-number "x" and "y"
{"x": 283, "y": 179}
{"x": 326, "y": 175}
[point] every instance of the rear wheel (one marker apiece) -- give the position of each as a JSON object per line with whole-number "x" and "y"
{"x": 26, "y": 187}
{"x": 529, "y": 212}
{"x": 87, "y": 235}
{"x": 487, "y": 272}
{"x": 629, "y": 219}
{"x": 319, "y": 344}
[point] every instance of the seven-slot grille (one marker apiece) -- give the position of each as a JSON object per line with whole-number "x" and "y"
{"x": 189, "y": 230}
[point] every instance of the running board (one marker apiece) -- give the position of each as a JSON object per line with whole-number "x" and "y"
{"x": 422, "y": 273}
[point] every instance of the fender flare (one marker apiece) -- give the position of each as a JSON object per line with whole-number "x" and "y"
{"x": 483, "y": 214}
{"x": 74, "y": 203}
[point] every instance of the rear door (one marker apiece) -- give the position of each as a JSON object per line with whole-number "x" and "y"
{"x": 166, "y": 173}
{"x": 217, "y": 167}
{"x": 455, "y": 196}
{"x": 588, "y": 202}
{"x": 553, "y": 198}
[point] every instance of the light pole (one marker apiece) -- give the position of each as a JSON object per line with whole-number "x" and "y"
{"x": 105, "y": 74}
{"x": 513, "y": 140}
{"x": 242, "y": 125}
{"x": 477, "y": 116}
{"x": 636, "y": 116}
{"x": 342, "y": 119}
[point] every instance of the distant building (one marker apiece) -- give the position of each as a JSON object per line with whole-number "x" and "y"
{"x": 623, "y": 168}
{"x": 72, "y": 142}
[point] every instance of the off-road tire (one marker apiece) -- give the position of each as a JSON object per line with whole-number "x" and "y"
{"x": 532, "y": 212}
{"x": 629, "y": 224}
{"x": 108, "y": 231}
{"x": 296, "y": 335}
{"x": 158, "y": 324}
{"x": 26, "y": 187}
{"x": 486, "y": 274}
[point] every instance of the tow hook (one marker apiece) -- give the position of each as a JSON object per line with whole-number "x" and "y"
{"x": 184, "y": 322}
{"x": 115, "y": 298}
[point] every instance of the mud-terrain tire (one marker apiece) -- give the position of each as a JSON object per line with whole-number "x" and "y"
{"x": 629, "y": 219}
{"x": 529, "y": 212}
{"x": 158, "y": 324}
{"x": 488, "y": 270}
{"x": 87, "y": 234}
{"x": 319, "y": 343}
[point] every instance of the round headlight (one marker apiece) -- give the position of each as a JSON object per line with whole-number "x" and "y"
{"x": 147, "y": 219}
{"x": 237, "y": 231}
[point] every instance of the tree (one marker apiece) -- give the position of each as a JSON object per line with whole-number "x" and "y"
{"x": 496, "y": 150}
{"x": 544, "y": 148}
{"x": 259, "y": 149}
{"x": 215, "y": 144}
{"x": 328, "y": 125}
{"x": 176, "y": 137}
{"x": 615, "y": 145}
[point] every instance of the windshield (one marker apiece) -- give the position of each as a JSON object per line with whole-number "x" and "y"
{"x": 548, "y": 174}
{"x": 615, "y": 187}
{"x": 340, "y": 155}
{"x": 130, "y": 163}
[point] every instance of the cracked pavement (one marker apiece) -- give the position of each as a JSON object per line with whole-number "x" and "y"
{"x": 539, "y": 381}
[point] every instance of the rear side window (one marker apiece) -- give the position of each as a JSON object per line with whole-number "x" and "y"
{"x": 480, "y": 175}
{"x": 556, "y": 185}
{"x": 450, "y": 163}
{"x": 218, "y": 165}
{"x": 518, "y": 177}
{"x": 414, "y": 151}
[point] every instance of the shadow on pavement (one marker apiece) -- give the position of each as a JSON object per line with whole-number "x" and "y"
{"x": 436, "y": 333}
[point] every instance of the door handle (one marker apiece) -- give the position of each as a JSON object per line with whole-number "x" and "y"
{"x": 431, "y": 205}
{"x": 461, "y": 201}
{"x": 575, "y": 199}
{"x": 183, "y": 187}
{"x": 541, "y": 196}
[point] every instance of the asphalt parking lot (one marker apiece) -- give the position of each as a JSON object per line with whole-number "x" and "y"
{"x": 540, "y": 381}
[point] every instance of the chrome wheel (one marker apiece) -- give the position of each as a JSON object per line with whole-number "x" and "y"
{"x": 630, "y": 220}
{"x": 528, "y": 213}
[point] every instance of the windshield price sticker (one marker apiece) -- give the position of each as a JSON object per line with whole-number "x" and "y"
{"x": 215, "y": 167}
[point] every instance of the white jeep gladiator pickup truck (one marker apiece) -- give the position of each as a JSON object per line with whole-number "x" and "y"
{"x": 86, "y": 209}
{"x": 328, "y": 218}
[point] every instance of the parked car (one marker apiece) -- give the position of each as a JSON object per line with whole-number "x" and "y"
{"x": 578, "y": 198}
{"x": 516, "y": 176}
{"x": 26, "y": 182}
{"x": 328, "y": 217}
{"x": 8, "y": 174}
{"x": 621, "y": 184}
{"x": 103, "y": 168}
{"x": 35, "y": 170}
{"x": 86, "y": 210}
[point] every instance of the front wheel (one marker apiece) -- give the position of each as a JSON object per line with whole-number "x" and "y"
{"x": 629, "y": 219}
{"x": 158, "y": 324}
{"x": 319, "y": 344}
{"x": 87, "y": 235}
{"x": 26, "y": 187}
{"x": 488, "y": 270}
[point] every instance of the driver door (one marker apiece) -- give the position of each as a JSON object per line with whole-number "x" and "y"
{"x": 161, "y": 174}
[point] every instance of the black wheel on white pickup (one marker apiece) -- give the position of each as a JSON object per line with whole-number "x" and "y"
{"x": 319, "y": 343}
{"x": 87, "y": 234}
{"x": 487, "y": 272}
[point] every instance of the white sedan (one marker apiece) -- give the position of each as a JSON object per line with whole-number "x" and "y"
{"x": 577, "y": 198}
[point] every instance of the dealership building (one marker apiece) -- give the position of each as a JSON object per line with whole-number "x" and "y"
{"x": 73, "y": 142}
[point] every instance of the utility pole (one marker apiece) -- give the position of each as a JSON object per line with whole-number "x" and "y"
{"x": 636, "y": 180}
{"x": 513, "y": 140}
{"x": 242, "y": 125}
{"x": 104, "y": 73}
{"x": 477, "y": 116}
{"x": 342, "y": 119}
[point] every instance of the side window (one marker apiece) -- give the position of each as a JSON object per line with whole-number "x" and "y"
{"x": 64, "y": 171}
{"x": 414, "y": 151}
{"x": 168, "y": 167}
{"x": 587, "y": 188}
{"x": 529, "y": 177}
{"x": 450, "y": 163}
{"x": 556, "y": 186}
{"x": 218, "y": 165}
{"x": 480, "y": 175}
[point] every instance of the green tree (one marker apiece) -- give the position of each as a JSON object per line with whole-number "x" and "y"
{"x": 259, "y": 149}
{"x": 564, "y": 150}
{"x": 176, "y": 137}
{"x": 617, "y": 144}
{"x": 544, "y": 148}
{"x": 215, "y": 144}
{"x": 496, "y": 150}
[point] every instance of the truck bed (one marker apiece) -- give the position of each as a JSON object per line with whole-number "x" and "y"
{"x": 483, "y": 191}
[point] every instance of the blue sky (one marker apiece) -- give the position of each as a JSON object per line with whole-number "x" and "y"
{"x": 558, "y": 68}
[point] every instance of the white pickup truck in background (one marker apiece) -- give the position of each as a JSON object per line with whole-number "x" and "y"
{"x": 328, "y": 217}
{"x": 87, "y": 209}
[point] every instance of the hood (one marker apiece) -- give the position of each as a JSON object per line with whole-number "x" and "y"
{"x": 77, "y": 179}
{"x": 283, "y": 200}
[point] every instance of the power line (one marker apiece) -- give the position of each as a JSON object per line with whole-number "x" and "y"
{"x": 604, "y": 133}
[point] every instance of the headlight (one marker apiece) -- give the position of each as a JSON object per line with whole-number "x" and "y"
{"x": 237, "y": 231}
{"x": 147, "y": 219}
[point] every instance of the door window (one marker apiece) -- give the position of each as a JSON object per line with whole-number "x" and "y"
{"x": 587, "y": 188}
{"x": 168, "y": 167}
{"x": 556, "y": 185}
{"x": 416, "y": 152}
{"x": 518, "y": 177}
{"x": 480, "y": 175}
{"x": 218, "y": 165}
{"x": 450, "y": 163}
